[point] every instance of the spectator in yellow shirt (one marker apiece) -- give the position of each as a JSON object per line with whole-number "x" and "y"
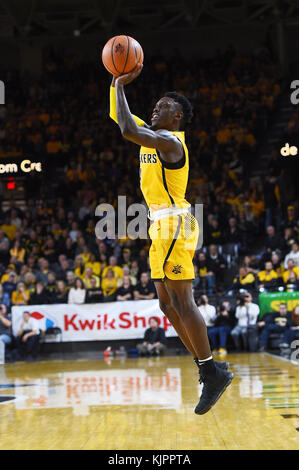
{"x": 94, "y": 265}
{"x": 223, "y": 136}
{"x": 117, "y": 270}
{"x": 109, "y": 286}
{"x": 85, "y": 255}
{"x": 70, "y": 174}
{"x": 277, "y": 265}
{"x": 17, "y": 252}
{"x": 10, "y": 269}
{"x": 88, "y": 276}
{"x": 8, "y": 228}
{"x": 20, "y": 296}
{"x": 53, "y": 145}
{"x": 257, "y": 205}
{"x": 244, "y": 279}
{"x": 292, "y": 283}
{"x": 88, "y": 174}
{"x": 44, "y": 117}
{"x": 268, "y": 277}
{"x": 291, "y": 267}
{"x": 79, "y": 266}
{"x": 29, "y": 280}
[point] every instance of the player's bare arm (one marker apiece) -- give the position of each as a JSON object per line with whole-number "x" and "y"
{"x": 169, "y": 146}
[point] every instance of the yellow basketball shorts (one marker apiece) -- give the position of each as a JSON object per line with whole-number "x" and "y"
{"x": 174, "y": 241}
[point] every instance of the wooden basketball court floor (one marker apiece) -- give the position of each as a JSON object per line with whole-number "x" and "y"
{"x": 147, "y": 404}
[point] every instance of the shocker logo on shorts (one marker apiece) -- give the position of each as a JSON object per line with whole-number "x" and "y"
{"x": 177, "y": 269}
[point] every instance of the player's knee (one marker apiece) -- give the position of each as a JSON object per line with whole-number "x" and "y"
{"x": 183, "y": 306}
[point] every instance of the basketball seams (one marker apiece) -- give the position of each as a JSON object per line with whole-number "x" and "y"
{"x": 109, "y": 69}
{"x": 128, "y": 50}
{"x": 113, "y": 56}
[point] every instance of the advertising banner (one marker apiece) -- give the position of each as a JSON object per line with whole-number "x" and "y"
{"x": 270, "y": 302}
{"x": 95, "y": 322}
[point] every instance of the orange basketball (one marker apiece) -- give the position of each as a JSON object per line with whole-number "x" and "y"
{"x": 121, "y": 54}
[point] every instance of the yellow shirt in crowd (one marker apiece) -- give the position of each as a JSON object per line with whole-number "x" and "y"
{"x": 264, "y": 276}
{"x": 248, "y": 279}
{"x": 118, "y": 272}
{"x": 109, "y": 286}
{"x": 285, "y": 275}
{"x": 18, "y": 299}
{"x": 87, "y": 282}
{"x": 95, "y": 266}
{"x": 9, "y": 230}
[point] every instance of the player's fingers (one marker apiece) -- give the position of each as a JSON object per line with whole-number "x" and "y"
{"x": 138, "y": 69}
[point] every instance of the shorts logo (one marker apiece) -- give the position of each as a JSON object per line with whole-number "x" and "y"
{"x": 177, "y": 269}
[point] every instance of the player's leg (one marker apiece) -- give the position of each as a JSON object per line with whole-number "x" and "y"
{"x": 214, "y": 379}
{"x": 172, "y": 315}
{"x": 182, "y": 301}
{"x": 175, "y": 320}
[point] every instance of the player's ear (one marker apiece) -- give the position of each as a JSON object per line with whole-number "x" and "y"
{"x": 179, "y": 114}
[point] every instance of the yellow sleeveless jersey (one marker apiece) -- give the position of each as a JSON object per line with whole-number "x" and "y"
{"x": 164, "y": 184}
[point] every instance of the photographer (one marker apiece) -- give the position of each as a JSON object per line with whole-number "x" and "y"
{"x": 246, "y": 314}
{"x": 220, "y": 331}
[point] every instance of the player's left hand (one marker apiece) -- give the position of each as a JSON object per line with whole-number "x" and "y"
{"x": 129, "y": 77}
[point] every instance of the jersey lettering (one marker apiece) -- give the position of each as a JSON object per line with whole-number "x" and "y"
{"x": 148, "y": 158}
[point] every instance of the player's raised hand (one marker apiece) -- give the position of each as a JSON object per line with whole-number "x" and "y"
{"x": 129, "y": 77}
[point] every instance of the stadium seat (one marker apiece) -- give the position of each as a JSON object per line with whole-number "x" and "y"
{"x": 51, "y": 333}
{"x": 274, "y": 340}
{"x": 230, "y": 251}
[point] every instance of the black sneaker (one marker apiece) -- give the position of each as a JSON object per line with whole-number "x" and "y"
{"x": 222, "y": 365}
{"x": 213, "y": 387}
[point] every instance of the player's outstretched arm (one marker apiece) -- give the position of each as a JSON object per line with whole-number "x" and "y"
{"x": 161, "y": 139}
{"x": 112, "y": 112}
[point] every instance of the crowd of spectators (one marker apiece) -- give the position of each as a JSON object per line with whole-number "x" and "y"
{"x": 244, "y": 327}
{"x": 48, "y": 249}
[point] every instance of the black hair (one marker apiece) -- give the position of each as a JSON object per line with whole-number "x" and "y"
{"x": 202, "y": 300}
{"x": 79, "y": 279}
{"x": 185, "y": 104}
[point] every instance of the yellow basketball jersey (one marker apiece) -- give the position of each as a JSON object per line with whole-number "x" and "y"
{"x": 164, "y": 184}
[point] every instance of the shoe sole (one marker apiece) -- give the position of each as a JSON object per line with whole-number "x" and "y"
{"x": 205, "y": 410}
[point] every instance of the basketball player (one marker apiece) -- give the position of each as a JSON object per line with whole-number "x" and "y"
{"x": 164, "y": 165}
